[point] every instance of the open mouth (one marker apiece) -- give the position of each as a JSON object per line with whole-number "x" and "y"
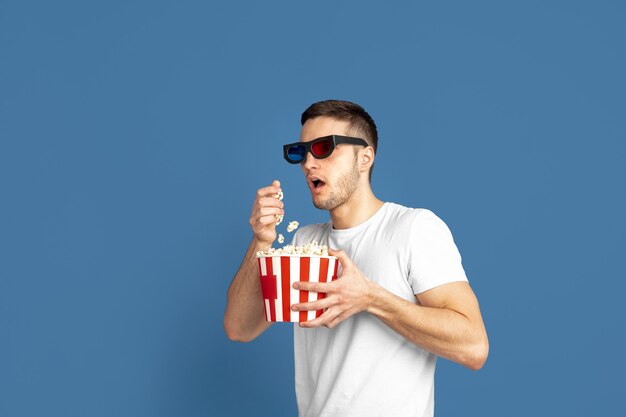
{"x": 317, "y": 184}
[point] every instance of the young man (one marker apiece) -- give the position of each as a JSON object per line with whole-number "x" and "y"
{"x": 402, "y": 297}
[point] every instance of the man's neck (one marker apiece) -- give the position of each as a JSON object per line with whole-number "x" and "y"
{"x": 361, "y": 206}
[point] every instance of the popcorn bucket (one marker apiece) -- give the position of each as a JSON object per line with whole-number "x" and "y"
{"x": 279, "y": 272}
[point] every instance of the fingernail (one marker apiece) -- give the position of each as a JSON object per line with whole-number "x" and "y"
{"x": 296, "y": 286}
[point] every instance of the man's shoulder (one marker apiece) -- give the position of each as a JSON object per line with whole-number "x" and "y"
{"x": 420, "y": 221}
{"x": 400, "y": 213}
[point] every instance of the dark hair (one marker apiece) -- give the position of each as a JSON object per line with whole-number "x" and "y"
{"x": 359, "y": 121}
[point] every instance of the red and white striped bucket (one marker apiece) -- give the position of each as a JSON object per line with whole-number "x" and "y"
{"x": 278, "y": 273}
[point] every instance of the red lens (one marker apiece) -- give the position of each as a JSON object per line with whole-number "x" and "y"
{"x": 322, "y": 148}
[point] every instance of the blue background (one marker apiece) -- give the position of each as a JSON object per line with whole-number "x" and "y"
{"x": 134, "y": 134}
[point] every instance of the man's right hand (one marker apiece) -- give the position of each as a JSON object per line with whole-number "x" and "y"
{"x": 264, "y": 211}
{"x": 244, "y": 318}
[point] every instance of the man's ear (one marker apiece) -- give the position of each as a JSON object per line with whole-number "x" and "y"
{"x": 366, "y": 158}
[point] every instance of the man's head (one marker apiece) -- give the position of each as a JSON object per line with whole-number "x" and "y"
{"x": 338, "y": 168}
{"x": 360, "y": 124}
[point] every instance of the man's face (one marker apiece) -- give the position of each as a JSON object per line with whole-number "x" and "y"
{"x": 334, "y": 179}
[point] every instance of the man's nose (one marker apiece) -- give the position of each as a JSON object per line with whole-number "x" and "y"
{"x": 310, "y": 161}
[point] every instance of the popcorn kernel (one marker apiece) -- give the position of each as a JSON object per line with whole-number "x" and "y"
{"x": 292, "y": 226}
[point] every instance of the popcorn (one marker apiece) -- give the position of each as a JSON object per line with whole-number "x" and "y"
{"x": 279, "y": 217}
{"x": 292, "y": 226}
{"x": 313, "y": 248}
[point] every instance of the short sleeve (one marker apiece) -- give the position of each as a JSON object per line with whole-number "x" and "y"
{"x": 294, "y": 239}
{"x": 434, "y": 259}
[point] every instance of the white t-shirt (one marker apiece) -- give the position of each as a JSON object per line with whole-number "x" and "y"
{"x": 362, "y": 367}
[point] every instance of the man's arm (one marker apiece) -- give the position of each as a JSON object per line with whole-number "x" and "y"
{"x": 244, "y": 318}
{"x": 445, "y": 321}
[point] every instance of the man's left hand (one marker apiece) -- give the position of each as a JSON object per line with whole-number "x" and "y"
{"x": 349, "y": 294}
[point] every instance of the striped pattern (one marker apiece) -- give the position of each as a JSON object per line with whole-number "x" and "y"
{"x": 278, "y": 273}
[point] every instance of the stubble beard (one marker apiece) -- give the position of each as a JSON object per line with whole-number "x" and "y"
{"x": 346, "y": 186}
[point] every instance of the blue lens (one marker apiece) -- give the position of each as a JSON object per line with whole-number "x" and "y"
{"x": 296, "y": 153}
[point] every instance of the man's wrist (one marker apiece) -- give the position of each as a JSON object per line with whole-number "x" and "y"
{"x": 374, "y": 297}
{"x": 381, "y": 301}
{"x": 260, "y": 245}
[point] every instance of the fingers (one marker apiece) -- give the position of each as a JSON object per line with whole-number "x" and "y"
{"x": 266, "y": 203}
{"x": 265, "y": 210}
{"x": 314, "y": 305}
{"x": 337, "y": 319}
{"x": 341, "y": 255}
{"x": 330, "y": 318}
{"x": 270, "y": 202}
{"x": 318, "y": 322}
{"x": 263, "y": 221}
{"x": 265, "y": 216}
{"x": 269, "y": 191}
{"x": 325, "y": 287}
{"x": 344, "y": 261}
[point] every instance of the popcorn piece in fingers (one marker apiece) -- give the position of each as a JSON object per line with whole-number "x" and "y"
{"x": 279, "y": 219}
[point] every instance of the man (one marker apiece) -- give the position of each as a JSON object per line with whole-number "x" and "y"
{"x": 401, "y": 299}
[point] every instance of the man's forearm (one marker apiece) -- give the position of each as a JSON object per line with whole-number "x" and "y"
{"x": 442, "y": 331}
{"x": 245, "y": 318}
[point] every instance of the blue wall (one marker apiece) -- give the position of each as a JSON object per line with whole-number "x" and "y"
{"x": 134, "y": 134}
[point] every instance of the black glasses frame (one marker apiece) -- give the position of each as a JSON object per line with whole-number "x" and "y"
{"x": 336, "y": 140}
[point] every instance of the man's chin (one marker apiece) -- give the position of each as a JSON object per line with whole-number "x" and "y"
{"x": 327, "y": 204}
{"x": 319, "y": 205}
